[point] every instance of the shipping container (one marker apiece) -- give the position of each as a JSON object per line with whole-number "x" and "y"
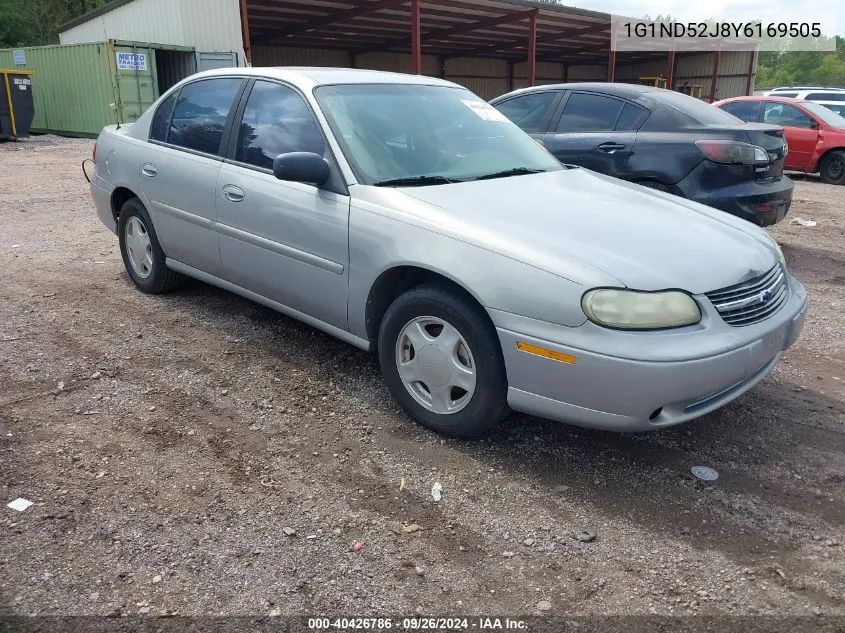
{"x": 81, "y": 88}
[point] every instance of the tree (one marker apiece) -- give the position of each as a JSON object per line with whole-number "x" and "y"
{"x": 37, "y": 22}
{"x": 791, "y": 68}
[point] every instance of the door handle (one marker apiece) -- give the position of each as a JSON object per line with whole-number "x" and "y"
{"x": 149, "y": 170}
{"x": 611, "y": 147}
{"x": 233, "y": 193}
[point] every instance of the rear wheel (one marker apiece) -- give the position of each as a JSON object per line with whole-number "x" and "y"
{"x": 441, "y": 360}
{"x": 142, "y": 254}
{"x": 832, "y": 168}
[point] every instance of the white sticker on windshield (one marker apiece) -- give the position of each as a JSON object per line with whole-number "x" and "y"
{"x": 484, "y": 110}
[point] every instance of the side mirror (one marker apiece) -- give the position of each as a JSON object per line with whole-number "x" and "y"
{"x": 301, "y": 167}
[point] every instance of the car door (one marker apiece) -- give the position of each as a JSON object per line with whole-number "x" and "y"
{"x": 180, "y": 166}
{"x": 286, "y": 241}
{"x": 800, "y": 130}
{"x": 595, "y": 131}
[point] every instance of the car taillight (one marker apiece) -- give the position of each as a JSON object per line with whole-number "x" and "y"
{"x": 733, "y": 152}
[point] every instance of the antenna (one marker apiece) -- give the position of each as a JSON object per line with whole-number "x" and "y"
{"x": 113, "y": 106}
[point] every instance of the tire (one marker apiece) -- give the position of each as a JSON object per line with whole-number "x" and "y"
{"x": 832, "y": 168}
{"x": 142, "y": 255}
{"x": 424, "y": 314}
{"x": 654, "y": 184}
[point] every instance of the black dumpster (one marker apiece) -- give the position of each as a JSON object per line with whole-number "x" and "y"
{"x": 17, "y": 107}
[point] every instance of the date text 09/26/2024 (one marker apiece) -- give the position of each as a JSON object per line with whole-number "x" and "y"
{"x": 416, "y": 624}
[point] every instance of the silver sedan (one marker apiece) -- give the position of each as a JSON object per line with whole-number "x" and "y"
{"x": 406, "y": 216}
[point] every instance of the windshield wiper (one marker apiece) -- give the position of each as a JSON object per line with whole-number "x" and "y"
{"x": 517, "y": 171}
{"x": 415, "y": 181}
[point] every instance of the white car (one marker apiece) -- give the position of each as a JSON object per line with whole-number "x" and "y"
{"x": 836, "y": 106}
{"x": 802, "y": 93}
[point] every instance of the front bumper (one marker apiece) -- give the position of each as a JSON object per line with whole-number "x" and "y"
{"x": 634, "y": 394}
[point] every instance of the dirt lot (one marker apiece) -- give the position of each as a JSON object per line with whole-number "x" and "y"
{"x": 197, "y": 453}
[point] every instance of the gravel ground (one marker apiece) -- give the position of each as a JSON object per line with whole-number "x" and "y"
{"x": 196, "y": 453}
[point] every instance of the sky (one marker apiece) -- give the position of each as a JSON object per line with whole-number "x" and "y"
{"x": 772, "y": 10}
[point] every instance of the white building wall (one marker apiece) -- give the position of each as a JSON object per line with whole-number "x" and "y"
{"x": 154, "y": 21}
{"x": 212, "y": 26}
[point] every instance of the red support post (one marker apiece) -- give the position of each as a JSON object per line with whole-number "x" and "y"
{"x": 416, "y": 46}
{"x": 670, "y": 68}
{"x": 611, "y": 66}
{"x": 749, "y": 88}
{"x": 532, "y": 49}
{"x": 245, "y": 32}
{"x": 716, "y": 58}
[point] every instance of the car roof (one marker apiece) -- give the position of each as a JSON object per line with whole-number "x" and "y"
{"x": 789, "y": 100}
{"x": 307, "y": 77}
{"x": 631, "y": 91}
{"x": 803, "y": 88}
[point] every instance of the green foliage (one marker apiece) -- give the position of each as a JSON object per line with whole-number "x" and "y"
{"x": 802, "y": 68}
{"x": 37, "y": 22}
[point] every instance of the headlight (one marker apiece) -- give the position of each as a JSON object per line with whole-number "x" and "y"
{"x": 635, "y": 310}
{"x": 781, "y": 258}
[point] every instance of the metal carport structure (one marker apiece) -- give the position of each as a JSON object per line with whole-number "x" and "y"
{"x": 490, "y": 46}
{"x": 513, "y": 30}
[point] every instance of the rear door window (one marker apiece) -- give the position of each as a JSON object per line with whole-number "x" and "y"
{"x": 585, "y": 112}
{"x": 200, "y": 115}
{"x": 785, "y": 115}
{"x": 745, "y": 110}
{"x": 531, "y": 111}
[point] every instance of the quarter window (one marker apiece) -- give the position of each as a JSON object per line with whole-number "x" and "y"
{"x": 826, "y": 96}
{"x": 530, "y": 111}
{"x": 276, "y": 121}
{"x": 632, "y": 118}
{"x": 785, "y": 115}
{"x": 161, "y": 120}
{"x": 200, "y": 114}
{"x": 589, "y": 113}
{"x": 745, "y": 110}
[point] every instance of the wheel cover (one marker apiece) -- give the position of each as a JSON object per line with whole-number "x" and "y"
{"x": 139, "y": 249}
{"x": 436, "y": 365}
{"x": 835, "y": 168}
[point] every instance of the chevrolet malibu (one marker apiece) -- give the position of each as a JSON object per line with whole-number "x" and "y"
{"x": 405, "y": 215}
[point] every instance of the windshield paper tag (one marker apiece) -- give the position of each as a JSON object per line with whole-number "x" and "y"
{"x": 484, "y": 110}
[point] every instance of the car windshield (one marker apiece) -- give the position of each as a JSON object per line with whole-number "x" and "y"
{"x": 828, "y": 116}
{"x": 405, "y": 134}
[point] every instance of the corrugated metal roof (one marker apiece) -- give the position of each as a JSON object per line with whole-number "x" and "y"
{"x": 450, "y": 28}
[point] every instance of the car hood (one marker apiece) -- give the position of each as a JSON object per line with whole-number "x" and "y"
{"x": 561, "y": 220}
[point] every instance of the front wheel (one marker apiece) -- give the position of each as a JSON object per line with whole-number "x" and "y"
{"x": 442, "y": 362}
{"x": 832, "y": 168}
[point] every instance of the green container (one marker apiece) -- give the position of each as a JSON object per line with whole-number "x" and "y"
{"x": 81, "y": 88}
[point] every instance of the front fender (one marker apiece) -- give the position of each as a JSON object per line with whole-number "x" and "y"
{"x": 379, "y": 242}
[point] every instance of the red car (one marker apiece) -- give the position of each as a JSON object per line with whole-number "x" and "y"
{"x": 815, "y": 134}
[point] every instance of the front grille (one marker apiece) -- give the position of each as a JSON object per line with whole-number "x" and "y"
{"x": 752, "y": 301}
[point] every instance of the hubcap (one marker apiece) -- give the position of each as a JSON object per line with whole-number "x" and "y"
{"x": 436, "y": 365}
{"x": 835, "y": 168}
{"x": 138, "y": 247}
